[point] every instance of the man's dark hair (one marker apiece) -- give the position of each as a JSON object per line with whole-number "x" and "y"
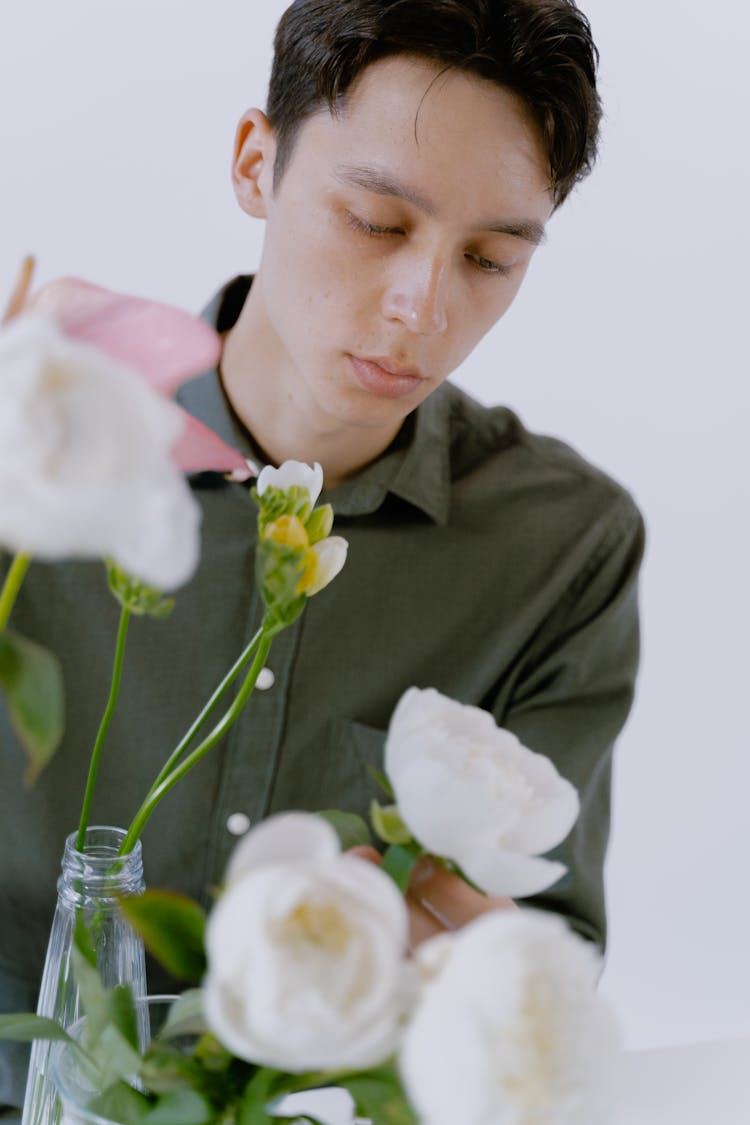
{"x": 540, "y": 49}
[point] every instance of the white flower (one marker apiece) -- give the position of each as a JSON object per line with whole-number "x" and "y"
{"x": 305, "y": 952}
{"x": 510, "y": 1030}
{"x": 331, "y": 554}
{"x": 85, "y": 466}
{"x": 471, "y": 792}
{"x": 292, "y": 473}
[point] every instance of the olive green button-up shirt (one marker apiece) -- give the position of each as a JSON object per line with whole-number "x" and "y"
{"x": 488, "y": 562}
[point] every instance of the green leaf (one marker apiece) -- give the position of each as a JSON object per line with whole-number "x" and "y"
{"x": 378, "y": 1094}
{"x": 214, "y": 1057}
{"x": 120, "y": 1102}
{"x": 182, "y": 1107}
{"x": 114, "y": 1056}
{"x": 94, "y": 996}
{"x": 83, "y": 940}
{"x": 399, "y": 861}
{"x": 136, "y": 596}
{"x": 351, "y": 829}
{"x": 123, "y": 1014}
{"x": 258, "y": 1093}
{"x": 382, "y": 780}
{"x": 276, "y": 502}
{"x": 389, "y": 824}
{"x": 166, "y": 1069}
{"x": 185, "y": 1017}
{"x": 32, "y": 680}
{"x": 25, "y": 1026}
{"x": 172, "y": 927}
{"x": 278, "y": 569}
{"x": 320, "y": 523}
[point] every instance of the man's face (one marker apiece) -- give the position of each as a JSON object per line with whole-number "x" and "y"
{"x": 398, "y": 235}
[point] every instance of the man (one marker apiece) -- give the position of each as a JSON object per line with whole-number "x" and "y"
{"x": 410, "y": 156}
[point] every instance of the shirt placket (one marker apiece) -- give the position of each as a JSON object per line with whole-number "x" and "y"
{"x": 252, "y": 750}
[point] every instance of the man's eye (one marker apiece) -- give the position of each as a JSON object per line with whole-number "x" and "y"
{"x": 372, "y": 229}
{"x": 487, "y": 265}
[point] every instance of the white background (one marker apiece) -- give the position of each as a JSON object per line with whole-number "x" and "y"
{"x": 116, "y": 125}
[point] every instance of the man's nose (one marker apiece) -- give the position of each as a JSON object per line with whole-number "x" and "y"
{"x": 417, "y": 296}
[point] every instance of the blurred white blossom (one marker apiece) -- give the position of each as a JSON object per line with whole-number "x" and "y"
{"x": 85, "y": 464}
{"x": 471, "y": 792}
{"x": 510, "y": 1030}
{"x": 305, "y": 951}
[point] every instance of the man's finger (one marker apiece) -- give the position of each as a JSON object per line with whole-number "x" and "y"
{"x": 447, "y": 898}
{"x": 364, "y": 851}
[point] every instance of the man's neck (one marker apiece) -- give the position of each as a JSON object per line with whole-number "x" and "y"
{"x": 284, "y": 423}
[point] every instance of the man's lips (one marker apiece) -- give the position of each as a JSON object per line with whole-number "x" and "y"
{"x": 381, "y": 376}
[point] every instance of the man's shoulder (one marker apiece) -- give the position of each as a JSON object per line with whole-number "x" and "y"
{"x": 492, "y": 449}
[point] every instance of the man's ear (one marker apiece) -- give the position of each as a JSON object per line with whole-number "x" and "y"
{"x": 252, "y": 163}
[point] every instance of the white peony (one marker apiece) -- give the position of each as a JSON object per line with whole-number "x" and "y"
{"x": 292, "y": 473}
{"x": 471, "y": 792}
{"x": 85, "y": 466}
{"x": 510, "y": 1030}
{"x": 305, "y": 952}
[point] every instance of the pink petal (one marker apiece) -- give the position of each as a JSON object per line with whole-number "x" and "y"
{"x": 198, "y": 449}
{"x": 167, "y": 345}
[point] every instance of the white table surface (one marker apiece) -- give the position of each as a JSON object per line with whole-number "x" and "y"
{"x": 697, "y": 1084}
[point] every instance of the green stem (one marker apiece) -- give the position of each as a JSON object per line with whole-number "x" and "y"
{"x": 157, "y": 792}
{"x": 11, "y": 586}
{"x": 187, "y": 738}
{"x": 109, "y": 711}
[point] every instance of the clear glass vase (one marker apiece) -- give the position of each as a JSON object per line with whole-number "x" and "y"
{"x": 89, "y": 887}
{"x": 75, "y": 1080}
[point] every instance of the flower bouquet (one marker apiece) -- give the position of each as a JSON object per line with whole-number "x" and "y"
{"x": 306, "y": 979}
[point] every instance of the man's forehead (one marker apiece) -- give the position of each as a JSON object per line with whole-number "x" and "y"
{"x": 396, "y": 123}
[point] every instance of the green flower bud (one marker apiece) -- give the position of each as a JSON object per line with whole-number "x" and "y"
{"x": 320, "y": 523}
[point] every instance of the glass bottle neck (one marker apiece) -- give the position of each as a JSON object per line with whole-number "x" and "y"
{"x": 98, "y": 876}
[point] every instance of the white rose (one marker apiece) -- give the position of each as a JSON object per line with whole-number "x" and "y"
{"x": 290, "y": 474}
{"x": 510, "y": 1030}
{"x": 85, "y": 466}
{"x": 305, "y": 952}
{"x": 471, "y": 792}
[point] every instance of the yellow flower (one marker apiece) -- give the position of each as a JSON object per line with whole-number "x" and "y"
{"x": 289, "y": 531}
{"x": 330, "y": 556}
{"x": 296, "y": 555}
{"x": 309, "y": 577}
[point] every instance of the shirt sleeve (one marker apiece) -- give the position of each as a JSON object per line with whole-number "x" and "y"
{"x": 571, "y": 700}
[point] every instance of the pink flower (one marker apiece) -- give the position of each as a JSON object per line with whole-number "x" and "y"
{"x": 166, "y": 345}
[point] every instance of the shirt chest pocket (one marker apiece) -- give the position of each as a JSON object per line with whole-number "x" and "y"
{"x": 346, "y": 781}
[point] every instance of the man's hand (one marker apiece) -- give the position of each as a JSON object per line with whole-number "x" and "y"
{"x": 438, "y": 900}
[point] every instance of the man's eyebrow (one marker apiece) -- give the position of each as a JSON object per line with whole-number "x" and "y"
{"x": 530, "y": 230}
{"x": 380, "y": 182}
{"x": 373, "y": 179}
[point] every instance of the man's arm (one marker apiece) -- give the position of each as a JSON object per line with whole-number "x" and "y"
{"x": 570, "y": 699}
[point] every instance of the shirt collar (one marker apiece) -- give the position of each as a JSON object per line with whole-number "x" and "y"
{"x": 416, "y": 467}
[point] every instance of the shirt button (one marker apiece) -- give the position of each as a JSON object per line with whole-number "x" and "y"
{"x": 238, "y": 823}
{"x": 265, "y": 680}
